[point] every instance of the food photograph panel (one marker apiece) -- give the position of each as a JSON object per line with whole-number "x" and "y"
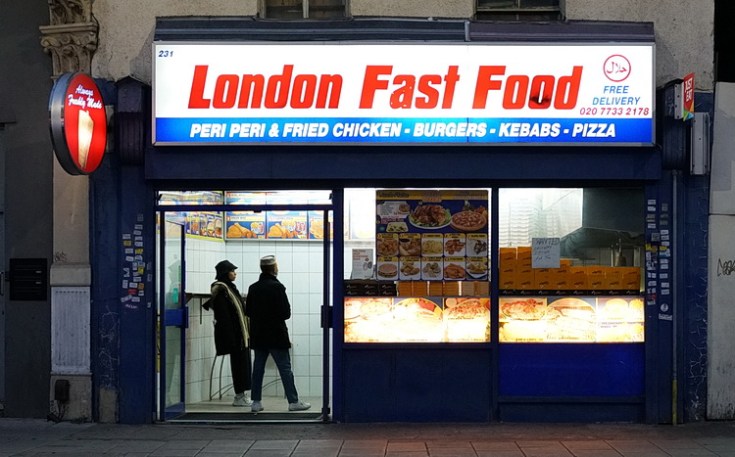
{"x": 585, "y": 319}
{"x": 422, "y": 319}
{"x": 446, "y": 230}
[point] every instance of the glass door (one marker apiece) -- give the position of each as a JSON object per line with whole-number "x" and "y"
{"x": 173, "y": 319}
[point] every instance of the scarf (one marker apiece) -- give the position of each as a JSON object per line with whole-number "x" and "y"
{"x": 242, "y": 318}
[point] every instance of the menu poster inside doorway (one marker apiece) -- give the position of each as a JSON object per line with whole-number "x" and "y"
{"x": 274, "y": 224}
{"x": 244, "y": 224}
{"x": 197, "y": 224}
{"x": 432, "y": 234}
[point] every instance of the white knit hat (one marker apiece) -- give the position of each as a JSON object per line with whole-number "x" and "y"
{"x": 268, "y": 260}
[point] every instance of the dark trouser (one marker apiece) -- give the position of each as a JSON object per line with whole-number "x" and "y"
{"x": 241, "y": 370}
{"x": 283, "y": 362}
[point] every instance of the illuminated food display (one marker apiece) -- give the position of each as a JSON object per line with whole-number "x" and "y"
{"x": 588, "y": 319}
{"x": 432, "y": 319}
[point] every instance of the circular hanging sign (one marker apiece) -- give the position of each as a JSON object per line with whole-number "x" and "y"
{"x": 78, "y": 123}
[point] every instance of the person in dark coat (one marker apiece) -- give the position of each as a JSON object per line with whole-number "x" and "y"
{"x": 231, "y": 329}
{"x": 268, "y": 308}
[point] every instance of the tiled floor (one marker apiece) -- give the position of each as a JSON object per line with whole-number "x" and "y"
{"x": 271, "y": 404}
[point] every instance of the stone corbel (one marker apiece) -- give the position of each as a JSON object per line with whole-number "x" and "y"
{"x": 72, "y": 37}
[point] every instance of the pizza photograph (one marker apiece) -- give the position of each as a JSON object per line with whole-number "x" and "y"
{"x": 469, "y": 220}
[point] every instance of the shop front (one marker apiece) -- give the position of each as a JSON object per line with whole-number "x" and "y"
{"x": 473, "y": 230}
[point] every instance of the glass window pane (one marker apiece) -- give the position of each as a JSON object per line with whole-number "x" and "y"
{"x": 498, "y": 3}
{"x": 529, "y": 213}
{"x": 416, "y": 265}
{"x": 518, "y": 10}
{"x": 326, "y": 9}
{"x": 571, "y": 265}
{"x": 539, "y": 3}
{"x": 284, "y": 9}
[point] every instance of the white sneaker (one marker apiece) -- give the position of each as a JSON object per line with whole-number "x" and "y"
{"x": 242, "y": 399}
{"x": 256, "y": 407}
{"x": 299, "y": 406}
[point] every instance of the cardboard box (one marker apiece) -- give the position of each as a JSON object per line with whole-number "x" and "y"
{"x": 561, "y": 278}
{"x": 523, "y": 252}
{"x": 405, "y": 289}
{"x": 525, "y": 279}
{"x": 507, "y": 275}
{"x": 436, "y": 288}
{"x": 467, "y": 288}
{"x": 613, "y": 277}
{"x": 542, "y": 278}
{"x": 508, "y": 265}
{"x": 508, "y": 281}
{"x": 420, "y": 288}
{"x": 577, "y": 278}
{"x": 523, "y": 256}
{"x": 507, "y": 255}
{"x": 630, "y": 278}
{"x": 596, "y": 277}
{"x": 451, "y": 288}
{"x": 563, "y": 283}
{"x": 482, "y": 288}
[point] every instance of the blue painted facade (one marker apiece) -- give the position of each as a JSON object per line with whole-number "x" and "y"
{"x": 383, "y": 383}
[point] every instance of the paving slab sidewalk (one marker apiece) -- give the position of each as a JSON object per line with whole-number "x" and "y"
{"x": 30, "y": 437}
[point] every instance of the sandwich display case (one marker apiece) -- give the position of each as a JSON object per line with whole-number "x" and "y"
{"x": 583, "y": 319}
{"x": 417, "y": 319}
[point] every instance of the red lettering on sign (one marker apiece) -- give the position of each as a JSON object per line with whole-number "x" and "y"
{"x": 196, "y": 96}
{"x": 409, "y": 91}
{"x": 371, "y": 83}
{"x": 521, "y": 91}
{"x": 300, "y": 91}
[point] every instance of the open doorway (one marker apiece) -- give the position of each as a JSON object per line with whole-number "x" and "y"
{"x": 195, "y": 384}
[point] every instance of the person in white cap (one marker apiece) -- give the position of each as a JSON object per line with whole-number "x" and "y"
{"x": 231, "y": 329}
{"x": 268, "y": 308}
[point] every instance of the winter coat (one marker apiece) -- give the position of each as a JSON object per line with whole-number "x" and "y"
{"x": 231, "y": 327}
{"x": 268, "y": 308}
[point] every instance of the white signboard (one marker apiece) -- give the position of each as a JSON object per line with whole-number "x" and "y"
{"x": 398, "y": 93}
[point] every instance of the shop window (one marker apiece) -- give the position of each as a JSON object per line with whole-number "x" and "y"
{"x": 518, "y": 10}
{"x": 305, "y": 9}
{"x": 571, "y": 265}
{"x": 417, "y": 266}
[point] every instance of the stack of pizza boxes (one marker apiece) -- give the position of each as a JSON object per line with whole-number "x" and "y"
{"x": 630, "y": 278}
{"x": 578, "y": 278}
{"x": 507, "y": 269}
{"x": 524, "y": 269}
{"x": 553, "y": 278}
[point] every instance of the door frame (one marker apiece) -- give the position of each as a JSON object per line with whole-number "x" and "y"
{"x": 326, "y": 307}
{"x": 177, "y": 317}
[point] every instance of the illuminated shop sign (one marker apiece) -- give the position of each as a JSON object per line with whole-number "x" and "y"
{"x": 395, "y": 93}
{"x": 78, "y": 121}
